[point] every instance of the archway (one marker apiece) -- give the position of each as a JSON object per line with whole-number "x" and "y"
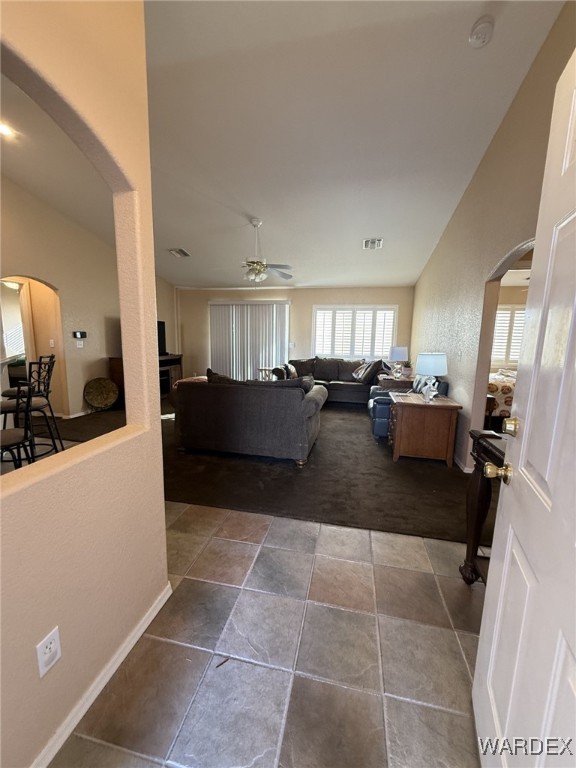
{"x": 32, "y": 326}
{"x": 490, "y": 306}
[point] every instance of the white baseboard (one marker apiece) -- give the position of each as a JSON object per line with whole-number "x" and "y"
{"x": 72, "y": 415}
{"x": 86, "y": 701}
{"x": 467, "y": 470}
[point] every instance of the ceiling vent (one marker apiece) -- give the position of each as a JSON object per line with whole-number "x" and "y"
{"x": 372, "y": 243}
{"x": 180, "y": 253}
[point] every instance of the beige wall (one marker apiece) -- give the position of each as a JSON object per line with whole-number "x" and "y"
{"x": 41, "y": 243}
{"x": 497, "y": 212}
{"x": 511, "y": 294}
{"x": 83, "y": 538}
{"x": 165, "y": 306}
{"x": 193, "y": 315}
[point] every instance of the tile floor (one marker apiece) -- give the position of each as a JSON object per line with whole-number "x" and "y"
{"x": 293, "y": 644}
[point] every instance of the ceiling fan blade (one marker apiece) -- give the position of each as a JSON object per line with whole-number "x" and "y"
{"x": 278, "y": 266}
{"x": 283, "y": 275}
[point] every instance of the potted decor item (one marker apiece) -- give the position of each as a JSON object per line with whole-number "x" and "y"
{"x": 407, "y": 368}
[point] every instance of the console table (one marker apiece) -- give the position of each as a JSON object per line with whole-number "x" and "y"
{"x": 169, "y": 371}
{"x": 486, "y": 446}
{"x": 423, "y": 430}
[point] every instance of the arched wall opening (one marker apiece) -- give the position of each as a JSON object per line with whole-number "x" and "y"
{"x": 490, "y": 306}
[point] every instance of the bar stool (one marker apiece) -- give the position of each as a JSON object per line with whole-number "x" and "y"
{"x": 39, "y": 378}
{"x": 19, "y": 440}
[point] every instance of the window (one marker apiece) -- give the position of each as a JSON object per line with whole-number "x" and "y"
{"x": 354, "y": 331}
{"x": 247, "y": 336}
{"x": 508, "y": 330}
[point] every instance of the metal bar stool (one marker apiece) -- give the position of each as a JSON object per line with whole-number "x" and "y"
{"x": 39, "y": 378}
{"x": 17, "y": 440}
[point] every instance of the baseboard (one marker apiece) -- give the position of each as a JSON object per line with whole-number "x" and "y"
{"x": 463, "y": 467}
{"x": 72, "y": 415}
{"x": 84, "y": 704}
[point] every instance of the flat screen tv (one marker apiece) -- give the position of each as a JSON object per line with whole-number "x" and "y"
{"x": 161, "y": 338}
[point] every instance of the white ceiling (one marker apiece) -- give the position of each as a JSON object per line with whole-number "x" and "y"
{"x": 330, "y": 121}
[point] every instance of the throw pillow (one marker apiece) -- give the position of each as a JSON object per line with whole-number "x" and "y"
{"x": 346, "y": 369}
{"x": 220, "y": 378}
{"x": 326, "y": 368}
{"x": 365, "y": 373}
{"x": 291, "y": 372}
{"x": 279, "y": 372}
{"x": 303, "y": 367}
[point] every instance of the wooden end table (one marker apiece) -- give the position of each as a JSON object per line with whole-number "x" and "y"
{"x": 423, "y": 430}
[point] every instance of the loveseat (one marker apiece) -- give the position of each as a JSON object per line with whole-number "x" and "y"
{"x": 279, "y": 419}
{"x": 347, "y": 381}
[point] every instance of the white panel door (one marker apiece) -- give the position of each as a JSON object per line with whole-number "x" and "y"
{"x": 525, "y": 684}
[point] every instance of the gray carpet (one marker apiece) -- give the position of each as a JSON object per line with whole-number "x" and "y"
{"x": 350, "y": 479}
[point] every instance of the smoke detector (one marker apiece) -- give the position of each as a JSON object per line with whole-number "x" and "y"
{"x": 372, "y": 243}
{"x": 481, "y": 32}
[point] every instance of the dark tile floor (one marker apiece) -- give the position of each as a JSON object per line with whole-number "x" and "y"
{"x": 296, "y": 645}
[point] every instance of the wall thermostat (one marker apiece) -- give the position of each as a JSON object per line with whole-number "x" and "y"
{"x": 79, "y": 334}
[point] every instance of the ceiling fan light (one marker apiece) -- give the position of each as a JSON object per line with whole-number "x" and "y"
{"x": 260, "y": 277}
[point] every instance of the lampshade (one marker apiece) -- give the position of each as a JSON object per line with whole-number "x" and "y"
{"x": 432, "y": 364}
{"x": 398, "y": 354}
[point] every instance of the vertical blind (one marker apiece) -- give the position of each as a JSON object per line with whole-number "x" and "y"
{"x": 508, "y": 330}
{"x": 247, "y": 336}
{"x": 354, "y": 331}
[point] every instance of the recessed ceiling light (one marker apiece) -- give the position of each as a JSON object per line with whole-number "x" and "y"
{"x": 6, "y": 131}
{"x": 180, "y": 253}
{"x": 372, "y": 243}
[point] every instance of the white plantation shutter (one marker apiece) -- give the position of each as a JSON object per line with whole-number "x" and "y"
{"x": 508, "y": 330}
{"x": 342, "y": 333}
{"x": 516, "y": 333}
{"x": 323, "y": 333}
{"x": 247, "y": 336}
{"x": 354, "y": 331}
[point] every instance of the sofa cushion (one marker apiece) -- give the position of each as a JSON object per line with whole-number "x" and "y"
{"x": 366, "y": 372}
{"x": 346, "y": 368}
{"x": 304, "y": 367}
{"x": 326, "y": 368}
{"x": 220, "y": 378}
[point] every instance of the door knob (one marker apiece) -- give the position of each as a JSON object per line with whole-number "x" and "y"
{"x": 511, "y": 426}
{"x": 492, "y": 471}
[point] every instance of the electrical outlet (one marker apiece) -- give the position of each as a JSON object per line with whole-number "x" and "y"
{"x": 48, "y": 651}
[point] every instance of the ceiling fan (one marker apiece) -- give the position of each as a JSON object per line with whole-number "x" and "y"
{"x": 257, "y": 269}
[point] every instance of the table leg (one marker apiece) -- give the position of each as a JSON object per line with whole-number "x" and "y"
{"x": 478, "y": 497}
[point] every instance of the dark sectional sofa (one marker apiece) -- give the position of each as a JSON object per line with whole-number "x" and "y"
{"x": 337, "y": 375}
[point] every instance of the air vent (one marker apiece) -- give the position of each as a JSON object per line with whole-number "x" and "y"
{"x": 372, "y": 244}
{"x": 180, "y": 253}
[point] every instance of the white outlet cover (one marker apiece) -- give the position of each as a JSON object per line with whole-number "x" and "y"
{"x": 48, "y": 651}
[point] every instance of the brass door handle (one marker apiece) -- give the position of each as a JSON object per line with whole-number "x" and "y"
{"x": 492, "y": 471}
{"x": 511, "y": 426}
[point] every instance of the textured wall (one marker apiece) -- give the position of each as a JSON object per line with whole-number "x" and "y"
{"x": 497, "y": 212}
{"x": 83, "y": 538}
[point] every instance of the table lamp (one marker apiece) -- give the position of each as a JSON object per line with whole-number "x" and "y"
{"x": 397, "y": 356}
{"x": 431, "y": 364}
